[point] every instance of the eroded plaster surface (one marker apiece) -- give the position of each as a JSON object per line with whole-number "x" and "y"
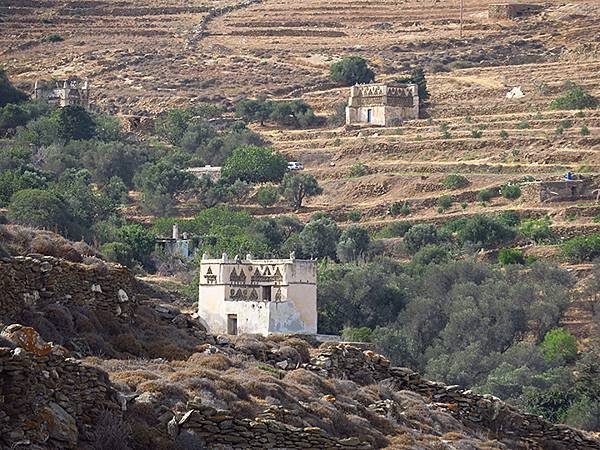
{"x": 258, "y": 296}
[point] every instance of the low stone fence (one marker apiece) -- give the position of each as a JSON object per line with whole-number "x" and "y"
{"x": 505, "y": 421}
{"x": 46, "y": 398}
{"x": 201, "y": 30}
{"x": 219, "y": 430}
{"x": 31, "y": 281}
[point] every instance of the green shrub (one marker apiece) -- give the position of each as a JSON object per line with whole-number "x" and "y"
{"x": 123, "y": 253}
{"x": 353, "y": 244}
{"x": 510, "y": 191}
{"x": 460, "y": 64}
{"x": 394, "y": 229}
{"x": 430, "y": 254}
{"x": 399, "y": 208}
{"x": 538, "y": 230}
{"x": 54, "y": 37}
{"x": 444, "y": 202}
{"x": 12, "y": 181}
{"x": 504, "y": 134}
{"x": 351, "y": 70}
{"x": 358, "y": 170}
{"x": 417, "y": 76}
{"x": 437, "y": 67}
{"x": 585, "y": 131}
{"x": 581, "y": 248}
{"x": 509, "y": 218}
{"x": 523, "y": 125}
{"x": 362, "y": 334}
{"x": 418, "y": 236}
{"x": 267, "y": 196}
{"x": 566, "y": 123}
{"x": 8, "y": 93}
{"x": 575, "y": 97}
{"x": 296, "y": 186}
{"x": 354, "y": 215}
{"x": 295, "y": 114}
{"x": 484, "y": 231}
{"x": 254, "y": 165}
{"x": 337, "y": 118}
{"x": 476, "y": 134}
{"x": 559, "y": 346}
{"x": 455, "y": 181}
{"x": 74, "y": 123}
{"x": 485, "y": 195}
{"x": 511, "y": 256}
{"x": 41, "y": 208}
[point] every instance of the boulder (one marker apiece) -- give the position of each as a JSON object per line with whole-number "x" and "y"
{"x": 61, "y": 425}
{"x": 27, "y": 338}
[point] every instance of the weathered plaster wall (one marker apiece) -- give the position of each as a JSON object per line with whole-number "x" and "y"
{"x": 236, "y": 287}
{"x": 389, "y": 105}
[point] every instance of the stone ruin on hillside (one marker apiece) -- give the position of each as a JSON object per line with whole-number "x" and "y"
{"x": 382, "y": 104}
{"x": 182, "y": 245}
{"x": 582, "y": 188}
{"x": 512, "y": 10}
{"x": 71, "y": 92}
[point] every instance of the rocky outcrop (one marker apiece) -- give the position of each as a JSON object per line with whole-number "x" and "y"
{"x": 48, "y": 400}
{"x": 481, "y": 411}
{"x": 33, "y": 281}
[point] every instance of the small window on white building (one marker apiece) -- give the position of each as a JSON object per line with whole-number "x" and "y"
{"x": 266, "y": 293}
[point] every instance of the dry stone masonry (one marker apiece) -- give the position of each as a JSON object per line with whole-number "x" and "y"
{"x": 32, "y": 281}
{"x": 47, "y": 400}
{"x": 365, "y": 367}
{"x": 219, "y": 430}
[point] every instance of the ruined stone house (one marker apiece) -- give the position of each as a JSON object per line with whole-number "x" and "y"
{"x": 177, "y": 245}
{"x": 382, "y": 104}
{"x": 508, "y": 11}
{"x": 583, "y": 188}
{"x": 261, "y": 296}
{"x": 63, "y": 93}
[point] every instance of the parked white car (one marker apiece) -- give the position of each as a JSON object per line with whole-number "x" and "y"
{"x": 295, "y": 165}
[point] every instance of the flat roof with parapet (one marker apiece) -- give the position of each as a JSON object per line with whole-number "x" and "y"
{"x": 249, "y": 260}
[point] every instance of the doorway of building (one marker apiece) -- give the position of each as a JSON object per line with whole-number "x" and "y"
{"x": 369, "y": 115}
{"x": 232, "y": 324}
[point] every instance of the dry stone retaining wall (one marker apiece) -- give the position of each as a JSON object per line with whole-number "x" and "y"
{"x": 366, "y": 367}
{"x": 219, "y": 430}
{"x": 33, "y": 281}
{"x": 48, "y": 400}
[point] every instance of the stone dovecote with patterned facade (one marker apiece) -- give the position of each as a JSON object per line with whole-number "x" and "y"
{"x": 71, "y": 92}
{"x": 259, "y": 296}
{"x": 382, "y": 104}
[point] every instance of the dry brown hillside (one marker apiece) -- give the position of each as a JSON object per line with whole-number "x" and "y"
{"x": 145, "y": 55}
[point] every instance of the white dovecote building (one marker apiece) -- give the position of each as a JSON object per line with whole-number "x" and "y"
{"x": 260, "y": 296}
{"x": 382, "y": 104}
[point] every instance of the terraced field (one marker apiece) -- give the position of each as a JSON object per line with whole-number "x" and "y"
{"x": 146, "y": 56}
